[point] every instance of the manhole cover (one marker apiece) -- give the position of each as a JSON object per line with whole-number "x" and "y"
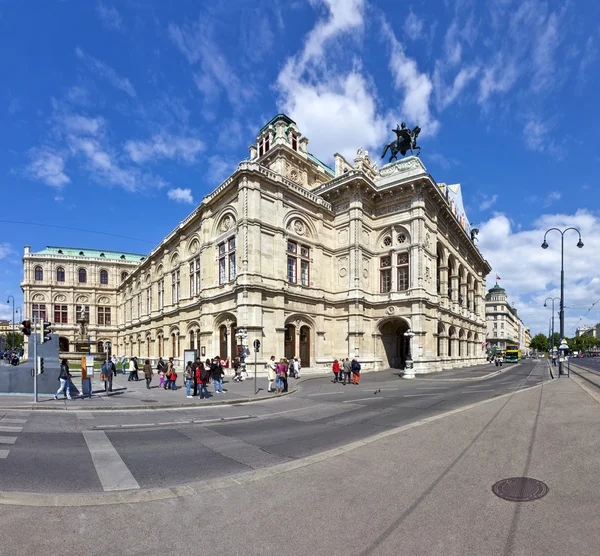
{"x": 520, "y": 489}
{"x": 148, "y": 401}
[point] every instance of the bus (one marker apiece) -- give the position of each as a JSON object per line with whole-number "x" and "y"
{"x": 513, "y": 353}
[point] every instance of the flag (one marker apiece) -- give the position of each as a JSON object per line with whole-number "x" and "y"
{"x": 498, "y": 277}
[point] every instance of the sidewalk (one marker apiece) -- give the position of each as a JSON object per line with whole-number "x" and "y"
{"x": 476, "y": 372}
{"x": 135, "y": 395}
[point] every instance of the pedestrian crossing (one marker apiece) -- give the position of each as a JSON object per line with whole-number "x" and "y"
{"x": 9, "y": 425}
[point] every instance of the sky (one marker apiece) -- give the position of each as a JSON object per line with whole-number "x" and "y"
{"x": 117, "y": 117}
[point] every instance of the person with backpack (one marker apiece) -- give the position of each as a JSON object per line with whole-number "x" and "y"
{"x": 216, "y": 373}
{"x": 355, "y": 371}
{"x": 65, "y": 380}
{"x": 202, "y": 377}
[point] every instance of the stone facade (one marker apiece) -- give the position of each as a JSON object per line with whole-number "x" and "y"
{"x": 315, "y": 263}
{"x": 58, "y": 280}
{"x": 503, "y": 324}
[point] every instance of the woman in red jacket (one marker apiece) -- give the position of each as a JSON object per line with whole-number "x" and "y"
{"x": 336, "y": 371}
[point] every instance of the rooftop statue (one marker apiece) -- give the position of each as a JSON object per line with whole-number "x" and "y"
{"x": 406, "y": 141}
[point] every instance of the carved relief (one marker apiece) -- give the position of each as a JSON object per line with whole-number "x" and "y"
{"x": 194, "y": 246}
{"x": 226, "y": 223}
{"x": 298, "y": 227}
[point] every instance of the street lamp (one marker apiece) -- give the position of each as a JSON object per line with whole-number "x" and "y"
{"x": 408, "y": 364}
{"x": 553, "y": 299}
{"x": 13, "y": 321}
{"x": 562, "y": 276}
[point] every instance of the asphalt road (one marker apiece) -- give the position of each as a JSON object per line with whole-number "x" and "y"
{"x": 116, "y": 451}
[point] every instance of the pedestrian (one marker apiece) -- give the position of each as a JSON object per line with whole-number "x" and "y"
{"x": 284, "y": 375}
{"x": 161, "y": 366}
{"x": 161, "y": 376}
{"x": 135, "y": 364}
{"x": 148, "y": 373}
{"x": 106, "y": 374}
{"x": 271, "y": 366}
{"x": 195, "y": 365}
{"x": 123, "y": 364}
{"x": 355, "y": 371}
{"x": 336, "y": 371}
{"x": 65, "y": 380}
{"x": 501, "y": 360}
{"x": 188, "y": 375}
{"x": 132, "y": 371}
{"x": 347, "y": 366}
{"x": 280, "y": 369}
{"x": 203, "y": 378}
{"x": 237, "y": 370}
{"x": 296, "y": 366}
{"x": 114, "y": 364}
{"x": 171, "y": 375}
{"x": 216, "y": 373}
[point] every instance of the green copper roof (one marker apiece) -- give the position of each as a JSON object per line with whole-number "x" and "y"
{"x": 283, "y": 117}
{"x": 322, "y": 164}
{"x": 97, "y": 253}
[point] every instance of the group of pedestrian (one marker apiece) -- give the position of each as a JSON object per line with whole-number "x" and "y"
{"x": 346, "y": 371}
{"x": 278, "y": 372}
{"x": 198, "y": 375}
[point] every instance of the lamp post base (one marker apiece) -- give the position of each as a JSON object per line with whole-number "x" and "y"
{"x": 409, "y": 371}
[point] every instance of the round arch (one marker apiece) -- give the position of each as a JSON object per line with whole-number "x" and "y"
{"x": 394, "y": 344}
{"x": 221, "y": 224}
{"x": 294, "y": 215}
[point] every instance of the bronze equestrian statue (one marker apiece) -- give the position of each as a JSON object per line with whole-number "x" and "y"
{"x": 406, "y": 141}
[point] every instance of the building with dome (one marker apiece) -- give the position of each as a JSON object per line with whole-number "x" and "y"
{"x": 503, "y": 323}
{"x": 314, "y": 261}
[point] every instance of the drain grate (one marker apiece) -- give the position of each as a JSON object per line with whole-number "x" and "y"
{"x": 520, "y": 489}
{"x": 148, "y": 401}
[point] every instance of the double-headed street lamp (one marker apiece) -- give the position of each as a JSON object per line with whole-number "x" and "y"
{"x": 562, "y": 276}
{"x": 13, "y": 321}
{"x": 553, "y": 299}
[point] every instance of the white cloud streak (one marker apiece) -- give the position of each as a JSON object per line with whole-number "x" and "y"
{"x": 48, "y": 165}
{"x": 109, "y": 16}
{"x": 163, "y": 146}
{"x": 488, "y": 202}
{"x": 107, "y": 73}
{"x": 181, "y": 195}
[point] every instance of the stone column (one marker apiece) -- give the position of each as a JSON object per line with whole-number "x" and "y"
{"x": 454, "y": 286}
{"x": 443, "y": 293}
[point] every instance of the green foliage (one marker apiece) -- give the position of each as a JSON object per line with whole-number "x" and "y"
{"x": 539, "y": 342}
{"x": 582, "y": 343}
{"x": 18, "y": 343}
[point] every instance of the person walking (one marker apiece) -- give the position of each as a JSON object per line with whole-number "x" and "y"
{"x": 114, "y": 364}
{"x": 336, "y": 371}
{"x": 171, "y": 375}
{"x": 161, "y": 376}
{"x": 106, "y": 374}
{"x": 347, "y": 367}
{"x": 355, "y": 371}
{"x": 65, "y": 380}
{"x": 131, "y": 369}
{"x": 195, "y": 383}
{"x": 161, "y": 366}
{"x": 123, "y": 365}
{"x": 237, "y": 370}
{"x": 280, "y": 369}
{"x": 202, "y": 377}
{"x": 216, "y": 373}
{"x": 148, "y": 373}
{"x": 271, "y": 372}
{"x": 296, "y": 367}
{"x": 284, "y": 375}
{"x": 189, "y": 379}
{"x": 136, "y": 366}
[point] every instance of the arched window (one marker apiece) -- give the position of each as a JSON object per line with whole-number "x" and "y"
{"x": 39, "y": 273}
{"x": 104, "y": 276}
{"x": 60, "y": 274}
{"x": 82, "y": 276}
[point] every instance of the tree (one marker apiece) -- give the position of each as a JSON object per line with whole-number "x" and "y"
{"x": 539, "y": 342}
{"x": 18, "y": 342}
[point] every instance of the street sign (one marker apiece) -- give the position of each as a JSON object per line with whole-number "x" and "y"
{"x": 256, "y": 345}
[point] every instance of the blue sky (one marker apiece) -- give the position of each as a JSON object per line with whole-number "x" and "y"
{"x": 118, "y": 117}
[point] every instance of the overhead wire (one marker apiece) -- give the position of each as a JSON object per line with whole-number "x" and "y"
{"x": 586, "y": 314}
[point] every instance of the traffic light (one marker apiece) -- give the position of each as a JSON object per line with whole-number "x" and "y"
{"x": 26, "y": 327}
{"x": 46, "y": 331}
{"x": 40, "y": 365}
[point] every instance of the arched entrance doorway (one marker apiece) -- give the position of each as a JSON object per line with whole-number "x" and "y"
{"x": 63, "y": 344}
{"x": 289, "y": 348}
{"x": 395, "y": 344}
{"x": 305, "y": 346}
{"x": 227, "y": 342}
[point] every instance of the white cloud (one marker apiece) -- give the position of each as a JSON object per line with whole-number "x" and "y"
{"x": 544, "y": 54}
{"x": 181, "y": 195}
{"x": 109, "y": 16}
{"x": 535, "y": 134}
{"x": 337, "y": 111}
{"x": 164, "y": 145}
{"x": 507, "y": 248}
{"x": 499, "y": 77}
{"x": 413, "y": 26}
{"x": 551, "y": 197}
{"x": 417, "y": 86}
{"x": 48, "y": 165}
{"x": 5, "y": 250}
{"x": 446, "y": 95}
{"x": 75, "y": 123}
{"x": 488, "y": 202}
{"x": 107, "y": 72}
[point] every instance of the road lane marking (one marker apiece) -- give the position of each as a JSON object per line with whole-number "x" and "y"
{"x": 8, "y": 439}
{"x": 363, "y": 399}
{"x": 4, "y": 454}
{"x": 13, "y": 421}
{"x": 83, "y": 415}
{"x": 11, "y": 429}
{"x": 417, "y": 395}
{"x": 111, "y": 469}
{"x": 438, "y": 388}
{"x": 379, "y": 389}
{"x": 324, "y": 394}
{"x": 475, "y": 391}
